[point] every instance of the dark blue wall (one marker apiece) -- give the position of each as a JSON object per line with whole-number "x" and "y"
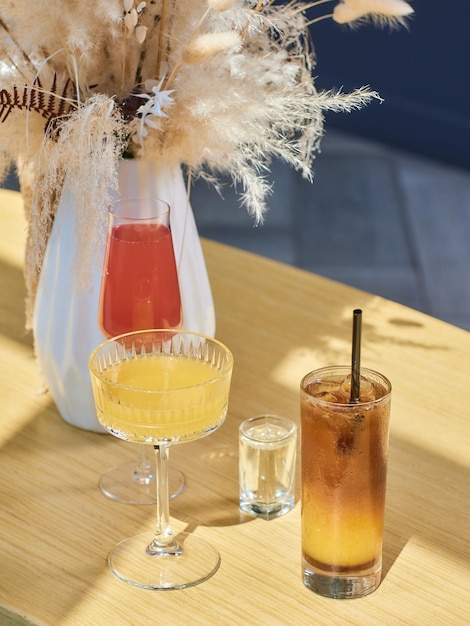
{"x": 422, "y": 73}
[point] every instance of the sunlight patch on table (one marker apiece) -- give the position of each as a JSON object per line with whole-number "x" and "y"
{"x": 12, "y": 256}
{"x": 11, "y": 206}
{"x": 420, "y": 556}
{"x": 301, "y": 360}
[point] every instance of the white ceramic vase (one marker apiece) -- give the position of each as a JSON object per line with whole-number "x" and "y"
{"x": 65, "y": 322}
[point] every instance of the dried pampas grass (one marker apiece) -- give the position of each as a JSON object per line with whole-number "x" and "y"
{"x": 390, "y": 13}
{"x": 206, "y": 46}
{"x": 219, "y": 86}
{"x": 98, "y": 131}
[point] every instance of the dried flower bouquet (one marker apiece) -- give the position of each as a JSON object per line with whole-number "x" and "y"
{"x": 219, "y": 86}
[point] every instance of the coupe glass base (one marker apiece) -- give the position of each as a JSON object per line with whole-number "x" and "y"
{"x": 119, "y": 483}
{"x": 130, "y": 562}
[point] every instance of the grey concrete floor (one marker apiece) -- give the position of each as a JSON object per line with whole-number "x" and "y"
{"x": 376, "y": 218}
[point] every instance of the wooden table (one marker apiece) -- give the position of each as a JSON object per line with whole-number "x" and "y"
{"x": 56, "y": 528}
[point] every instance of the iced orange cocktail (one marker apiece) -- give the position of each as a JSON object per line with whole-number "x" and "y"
{"x": 344, "y": 463}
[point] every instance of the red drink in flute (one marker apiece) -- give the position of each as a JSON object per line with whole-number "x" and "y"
{"x": 140, "y": 287}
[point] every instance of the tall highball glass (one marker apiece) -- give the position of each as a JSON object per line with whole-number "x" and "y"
{"x": 344, "y": 467}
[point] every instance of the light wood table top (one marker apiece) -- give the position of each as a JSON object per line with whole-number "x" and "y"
{"x": 56, "y": 527}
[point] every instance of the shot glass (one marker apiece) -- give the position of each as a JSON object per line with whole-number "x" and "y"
{"x": 344, "y": 464}
{"x": 267, "y": 455}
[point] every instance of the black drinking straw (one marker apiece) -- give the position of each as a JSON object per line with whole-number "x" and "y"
{"x": 356, "y": 356}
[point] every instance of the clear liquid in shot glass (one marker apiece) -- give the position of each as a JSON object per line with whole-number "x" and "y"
{"x": 267, "y": 466}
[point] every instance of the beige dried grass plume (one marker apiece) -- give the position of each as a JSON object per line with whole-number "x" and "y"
{"x": 219, "y": 86}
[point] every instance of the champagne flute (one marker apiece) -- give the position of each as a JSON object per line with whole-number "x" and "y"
{"x": 162, "y": 387}
{"x": 139, "y": 290}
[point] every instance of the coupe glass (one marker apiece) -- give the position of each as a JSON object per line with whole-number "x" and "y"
{"x": 162, "y": 387}
{"x": 139, "y": 290}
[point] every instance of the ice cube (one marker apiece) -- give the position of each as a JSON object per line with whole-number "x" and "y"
{"x": 326, "y": 396}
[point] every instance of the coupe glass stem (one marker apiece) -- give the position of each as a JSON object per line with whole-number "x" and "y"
{"x": 143, "y": 473}
{"x": 163, "y": 542}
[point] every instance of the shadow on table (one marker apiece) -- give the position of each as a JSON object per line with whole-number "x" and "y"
{"x": 57, "y": 525}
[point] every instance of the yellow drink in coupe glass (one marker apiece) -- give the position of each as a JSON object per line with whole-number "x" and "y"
{"x": 184, "y": 399}
{"x": 162, "y": 387}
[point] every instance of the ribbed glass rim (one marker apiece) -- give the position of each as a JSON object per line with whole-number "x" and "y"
{"x": 118, "y": 341}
